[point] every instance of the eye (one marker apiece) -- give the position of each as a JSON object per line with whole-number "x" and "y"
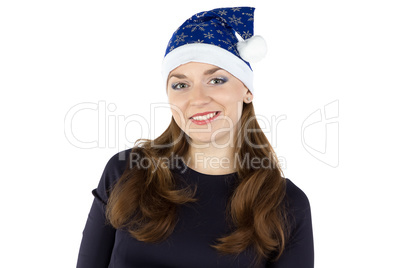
{"x": 178, "y": 86}
{"x": 218, "y": 80}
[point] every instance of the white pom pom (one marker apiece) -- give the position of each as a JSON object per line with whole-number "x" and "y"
{"x": 253, "y": 49}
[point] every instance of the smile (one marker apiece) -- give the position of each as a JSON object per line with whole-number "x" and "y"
{"x": 201, "y": 119}
{"x": 204, "y": 116}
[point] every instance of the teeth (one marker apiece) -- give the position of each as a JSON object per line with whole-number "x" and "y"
{"x": 204, "y": 117}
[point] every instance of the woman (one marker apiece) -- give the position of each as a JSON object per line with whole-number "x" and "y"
{"x": 208, "y": 192}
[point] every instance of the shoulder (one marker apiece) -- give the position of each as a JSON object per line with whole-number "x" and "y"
{"x": 118, "y": 162}
{"x": 113, "y": 170}
{"x": 297, "y": 205}
{"x": 295, "y": 197}
{"x": 298, "y": 210}
{"x": 299, "y": 249}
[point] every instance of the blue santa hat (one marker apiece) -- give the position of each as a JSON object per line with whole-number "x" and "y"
{"x": 210, "y": 37}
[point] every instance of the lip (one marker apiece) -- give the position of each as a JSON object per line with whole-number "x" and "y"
{"x": 204, "y": 113}
{"x": 203, "y": 122}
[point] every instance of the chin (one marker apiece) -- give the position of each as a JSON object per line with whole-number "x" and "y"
{"x": 201, "y": 139}
{"x": 208, "y": 138}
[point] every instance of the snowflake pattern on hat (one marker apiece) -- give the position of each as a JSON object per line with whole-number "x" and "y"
{"x": 216, "y": 27}
{"x": 223, "y": 37}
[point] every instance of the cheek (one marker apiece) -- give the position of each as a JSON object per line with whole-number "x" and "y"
{"x": 178, "y": 118}
{"x": 236, "y": 111}
{"x": 177, "y": 114}
{"x": 177, "y": 110}
{"x": 231, "y": 98}
{"x": 234, "y": 108}
{"x": 233, "y": 91}
{"x": 174, "y": 102}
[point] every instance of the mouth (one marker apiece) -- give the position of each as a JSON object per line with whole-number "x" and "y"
{"x": 203, "y": 118}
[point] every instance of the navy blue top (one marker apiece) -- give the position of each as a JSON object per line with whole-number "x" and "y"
{"x": 199, "y": 225}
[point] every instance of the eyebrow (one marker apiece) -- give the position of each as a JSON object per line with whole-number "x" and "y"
{"x": 207, "y": 72}
{"x": 211, "y": 71}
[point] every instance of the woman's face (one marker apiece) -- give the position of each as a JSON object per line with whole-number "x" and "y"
{"x": 206, "y": 102}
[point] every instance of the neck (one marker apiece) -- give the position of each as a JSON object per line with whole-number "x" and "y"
{"x": 210, "y": 160}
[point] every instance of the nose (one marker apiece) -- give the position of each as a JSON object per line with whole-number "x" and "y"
{"x": 199, "y": 95}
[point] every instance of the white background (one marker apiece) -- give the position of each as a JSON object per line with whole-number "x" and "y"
{"x": 55, "y": 55}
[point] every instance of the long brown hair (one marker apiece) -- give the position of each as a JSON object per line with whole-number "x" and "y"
{"x": 144, "y": 201}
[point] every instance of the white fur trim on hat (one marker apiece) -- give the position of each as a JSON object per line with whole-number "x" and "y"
{"x": 211, "y": 54}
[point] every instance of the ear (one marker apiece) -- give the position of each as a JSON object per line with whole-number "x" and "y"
{"x": 248, "y": 97}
